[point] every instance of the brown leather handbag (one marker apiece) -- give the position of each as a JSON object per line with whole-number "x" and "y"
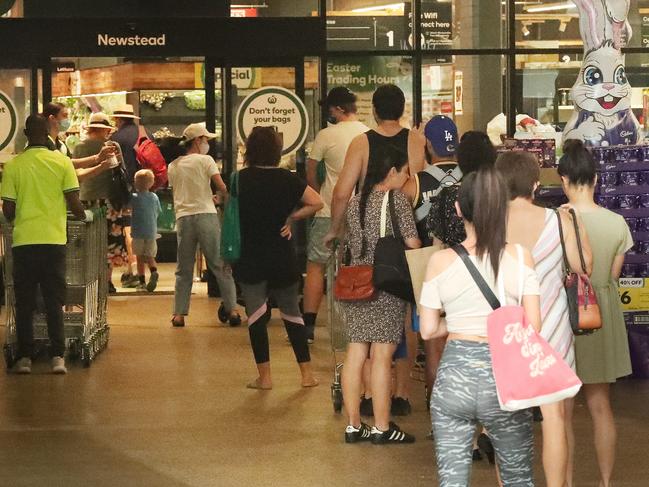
{"x": 583, "y": 309}
{"x": 354, "y": 283}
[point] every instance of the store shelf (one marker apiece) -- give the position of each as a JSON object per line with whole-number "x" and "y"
{"x": 630, "y": 165}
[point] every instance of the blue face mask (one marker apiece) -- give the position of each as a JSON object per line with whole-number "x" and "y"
{"x": 64, "y": 125}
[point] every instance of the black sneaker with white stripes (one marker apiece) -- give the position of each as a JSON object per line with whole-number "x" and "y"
{"x": 392, "y": 435}
{"x": 354, "y": 435}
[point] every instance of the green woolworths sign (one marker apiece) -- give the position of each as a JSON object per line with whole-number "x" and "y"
{"x": 8, "y": 120}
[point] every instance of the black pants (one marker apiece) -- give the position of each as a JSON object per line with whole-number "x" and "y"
{"x": 44, "y": 265}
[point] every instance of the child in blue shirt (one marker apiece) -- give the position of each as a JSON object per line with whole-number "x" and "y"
{"x": 144, "y": 228}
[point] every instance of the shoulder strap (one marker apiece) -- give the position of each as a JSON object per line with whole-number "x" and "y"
{"x": 234, "y": 184}
{"x": 396, "y": 231}
{"x": 566, "y": 264}
{"x": 579, "y": 248}
{"x": 477, "y": 277}
{"x": 384, "y": 215}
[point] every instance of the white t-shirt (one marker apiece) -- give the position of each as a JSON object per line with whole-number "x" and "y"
{"x": 331, "y": 146}
{"x": 455, "y": 291}
{"x": 189, "y": 177}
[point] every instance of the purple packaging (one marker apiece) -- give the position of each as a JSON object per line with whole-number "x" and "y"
{"x": 643, "y": 247}
{"x": 609, "y": 202}
{"x": 642, "y": 270}
{"x": 632, "y": 222}
{"x": 645, "y": 153}
{"x": 629, "y": 178}
{"x": 643, "y": 224}
{"x": 629, "y": 270}
{"x": 608, "y": 179}
{"x": 644, "y": 177}
{"x": 644, "y": 201}
{"x": 629, "y": 201}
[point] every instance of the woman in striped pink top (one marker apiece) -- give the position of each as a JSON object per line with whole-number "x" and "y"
{"x": 537, "y": 229}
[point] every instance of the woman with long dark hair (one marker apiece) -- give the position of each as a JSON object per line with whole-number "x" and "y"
{"x": 602, "y": 357}
{"x": 465, "y": 389}
{"x": 375, "y": 326}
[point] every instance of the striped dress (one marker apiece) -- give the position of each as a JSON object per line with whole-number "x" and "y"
{"x": 548, "y": 257}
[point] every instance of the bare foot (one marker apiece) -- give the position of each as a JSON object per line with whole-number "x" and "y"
{"x": 310, "y": 382}
{"x": 258, "y": 384}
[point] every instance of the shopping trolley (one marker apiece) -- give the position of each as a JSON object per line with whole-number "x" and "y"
{"x": 338, "y": 328}
{"x": 84, "y": 318}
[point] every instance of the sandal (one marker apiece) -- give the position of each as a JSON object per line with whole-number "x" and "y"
{"x": 177, "y": 323}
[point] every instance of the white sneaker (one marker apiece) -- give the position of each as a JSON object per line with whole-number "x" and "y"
{"x": 58, "y": 366}
{"x": 23, "y": 366}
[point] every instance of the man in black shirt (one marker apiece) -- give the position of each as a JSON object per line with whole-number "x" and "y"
{"x": 126, "y": 136}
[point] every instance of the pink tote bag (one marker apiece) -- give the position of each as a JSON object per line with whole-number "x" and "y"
{"x": 527, "y": 370}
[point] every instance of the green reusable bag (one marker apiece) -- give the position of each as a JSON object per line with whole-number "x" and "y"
{"x": 231, "y": 229}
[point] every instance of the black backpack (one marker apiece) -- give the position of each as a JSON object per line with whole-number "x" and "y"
{"x": 442, "y": 220}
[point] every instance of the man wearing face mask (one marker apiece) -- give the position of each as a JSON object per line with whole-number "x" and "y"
{"x": 56, "y": 115}
{"x": 329, "y": 149}
{"x": 197, "y": 223}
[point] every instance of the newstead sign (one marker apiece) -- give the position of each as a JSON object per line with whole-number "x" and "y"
{"x": 136, "y": 40}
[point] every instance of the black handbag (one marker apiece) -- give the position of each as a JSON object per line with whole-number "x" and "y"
{"x": 391, "y": 272}
{"x": 121, "y": 188}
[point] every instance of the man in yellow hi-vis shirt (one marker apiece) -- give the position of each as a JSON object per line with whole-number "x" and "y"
{"x": 36, "y": 185}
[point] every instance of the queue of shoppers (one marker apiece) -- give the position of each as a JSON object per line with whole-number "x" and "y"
{"x": 425, "y": 186}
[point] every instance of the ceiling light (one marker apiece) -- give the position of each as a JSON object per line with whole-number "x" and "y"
{"x": 563, "y": 26}
{"x": 550, "y": 7}
{"x": 389, "y": 6}
{"x": 525, "y": 30}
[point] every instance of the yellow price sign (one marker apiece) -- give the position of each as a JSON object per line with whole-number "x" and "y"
{"x": 634, "y": 294}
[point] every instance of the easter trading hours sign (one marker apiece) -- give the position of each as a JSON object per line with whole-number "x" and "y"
{"x": 273, "y": 106}
{"x": 8, "y": 120}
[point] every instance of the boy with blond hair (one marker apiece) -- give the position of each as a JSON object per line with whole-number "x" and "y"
{"x": 144, "y": 228}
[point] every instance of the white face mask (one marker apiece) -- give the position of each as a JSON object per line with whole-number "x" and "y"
{"x": 204, "y": 148}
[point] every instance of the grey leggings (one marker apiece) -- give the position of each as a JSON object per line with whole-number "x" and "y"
{"x": 465, "y": 394}
{"x": 256, "y": 298}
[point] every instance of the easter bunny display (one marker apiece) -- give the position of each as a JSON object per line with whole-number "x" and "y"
{"x": 602, "y": 93}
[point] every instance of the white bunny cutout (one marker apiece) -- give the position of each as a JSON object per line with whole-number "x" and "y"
{"x": 602, "y": 93}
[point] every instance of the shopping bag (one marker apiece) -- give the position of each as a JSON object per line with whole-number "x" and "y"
{"x": 527, "y": 370}
{"x": 231, "y": 229}
{"x": 418, "y": 263}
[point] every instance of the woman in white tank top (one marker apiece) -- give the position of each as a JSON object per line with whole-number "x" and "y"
{"x": 465, "y": 389}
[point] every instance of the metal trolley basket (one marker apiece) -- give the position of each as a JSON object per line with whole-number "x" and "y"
{"x": 84, "y": 317}
{"x": 338, "y": 328}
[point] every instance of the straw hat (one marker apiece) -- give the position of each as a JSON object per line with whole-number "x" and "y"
{"x": 99, "y": 120}
{"x": 125, "y": 111}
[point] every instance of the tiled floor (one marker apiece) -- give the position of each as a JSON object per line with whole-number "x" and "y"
{"x": 168, "y": 407}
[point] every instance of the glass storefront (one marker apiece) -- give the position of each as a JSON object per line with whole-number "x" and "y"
{"x": 475, "y": 60}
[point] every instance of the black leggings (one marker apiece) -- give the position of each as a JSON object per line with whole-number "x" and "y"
{"x": 256, "y": 298}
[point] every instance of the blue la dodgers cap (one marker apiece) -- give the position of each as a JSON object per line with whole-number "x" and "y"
{"x": 441, "y": 131}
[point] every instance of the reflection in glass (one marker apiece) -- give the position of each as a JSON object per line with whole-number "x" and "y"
{"x": 363, "y": 75}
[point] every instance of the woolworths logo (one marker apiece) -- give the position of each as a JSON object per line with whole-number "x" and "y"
{"x": 108, "y": 40}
